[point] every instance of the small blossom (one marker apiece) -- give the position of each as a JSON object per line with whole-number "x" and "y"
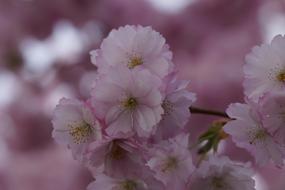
{"x": 220, "y": 173}
{"x": 248, "y": 132}
{"x": 265, "y": 69}
{"x": 273, "y": 112}
{"x": 176, "y": 108}
{"x": 108, "y": 183}
{"x": 113, "y": 156}
{"x": 172, "y": 162}
{"x": 75, "y": 126}
{"x": 129, "y": 101}
{"x": 134, "y": 47}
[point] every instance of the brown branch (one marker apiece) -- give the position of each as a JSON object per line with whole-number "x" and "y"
{"x": 195, "y": 110}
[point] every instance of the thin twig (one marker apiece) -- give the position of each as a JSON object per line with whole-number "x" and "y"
{"x": 195, "y": 110}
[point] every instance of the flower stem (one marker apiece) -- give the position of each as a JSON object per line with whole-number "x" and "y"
{"x": 195, "y": 110}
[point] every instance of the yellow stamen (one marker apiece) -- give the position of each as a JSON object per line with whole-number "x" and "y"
{"x": 167, "y": 107}
{"x": 128, "y": 185}
{"x": 135, "y": 61}
{"x": 170, "y": 163}
{"x": 218, "y": 182}
{"x": 130, "y": 103}
{"x": 259, "y": 135}
{"x": 81, "y": 133}
{"x": 281, "y": 76}
{"x": 117, "y": 152}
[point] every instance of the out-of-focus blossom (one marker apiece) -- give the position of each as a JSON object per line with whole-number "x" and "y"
{"x": 129, "y": 101}
{"x": 220, "y": 173}
{"x": 75, "y": 126}
{"x": 134, "y": 47}
{"x": 265, "y": 69}
{"x": 27, "y": 125}
{"x": 172, "y": 163}
{"x": 248, "y": 132}
{"x": 25, "y": 171}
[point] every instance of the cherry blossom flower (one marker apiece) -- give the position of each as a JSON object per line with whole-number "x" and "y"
{"x": 112, "y": 156}
{"x": 108, "y": 183}
{"x": 134, "y": 46}
{"x": 172, "y": 163}
{"x": 75, "y": 126}
{"x": 265, "y": 69}
{"x": 248, "y": 132}
{"x": 129, "y": 101}
{"x": 176, "y": 105}
{"x": 273, "y": 112}
{"x": 220, "y": 173}
{"x": 131, "y": 132}
{"x": 143, "y": 181}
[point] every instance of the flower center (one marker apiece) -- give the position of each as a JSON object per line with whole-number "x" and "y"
{"x": 128, "y": 185}
{"x": 135, "y": 61}
{"x": 218, "y": 182}
{"x": 170, "y": 164}
{"x": 167, "y": 107}
{"x": 81, "y": 132}
{"x": 130, "y": 103}
{"x": 281, "y": 76}
{"x": 117, "y": 152}
{"x": 259, "y": 135}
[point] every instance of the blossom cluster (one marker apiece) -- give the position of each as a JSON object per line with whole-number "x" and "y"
{"x": 258, "y": 124}
{"x": 131, "y": 132}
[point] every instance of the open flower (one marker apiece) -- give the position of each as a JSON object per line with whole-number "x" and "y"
{"x": 143, "y": 181}
{"x": 248, "y": 132}
{"x": 273, "y": 112}
{"x": 176, "y": 105}
{"x": 75, "y": 126}
{"x": 134, "y": 47}
{"x": 220, "y": 173}
{"x": 112, "y": 156}
{"x": 129, "y": 101}
{"x": 172, "y": 163}
{"x": 104, "y": 182}
{"x": 265, "y": 69}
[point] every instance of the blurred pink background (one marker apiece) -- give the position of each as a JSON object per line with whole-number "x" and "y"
{"x": 44, "y": 55}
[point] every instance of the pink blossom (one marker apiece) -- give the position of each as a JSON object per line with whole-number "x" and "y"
{"x": 172, "y": 163}
{"x": 134, "y": 46}
{"x": 273, "y": 112}
{"x": 108, "y": 183}
{"x": 265, "y": 69}
{"x": 75, "y": 126}
{"x": 248, "y": 132}
{"x": 129, "y": 101}
{"x": 143, "y": 182}
{"x": 176, "y": 105}
{"x": 113, "y": 156}
{"x": 220, "y": 173}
